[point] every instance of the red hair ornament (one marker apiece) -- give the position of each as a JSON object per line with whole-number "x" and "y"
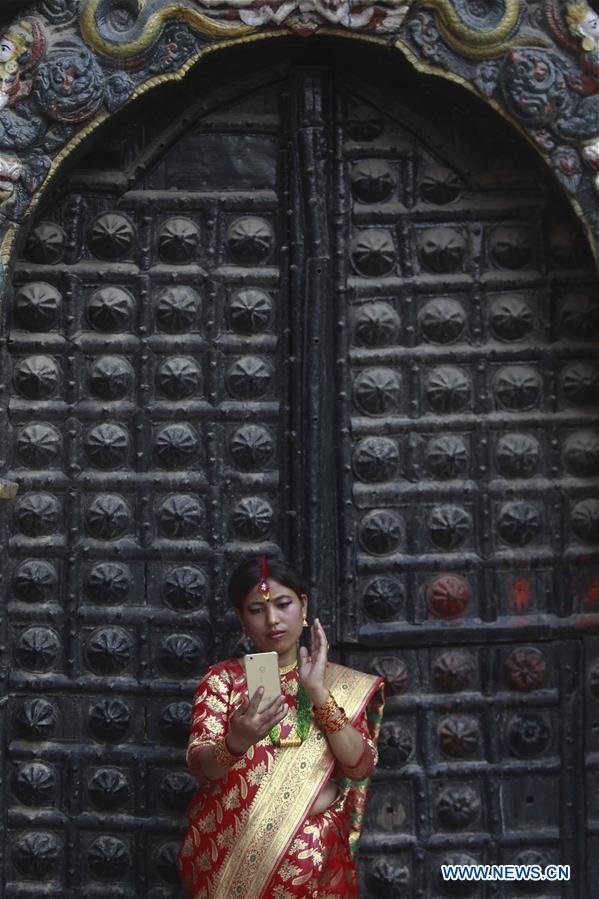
{"x": 263, "y": 587}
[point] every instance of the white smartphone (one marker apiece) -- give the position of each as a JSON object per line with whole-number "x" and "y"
{"x": 262, "y": 670}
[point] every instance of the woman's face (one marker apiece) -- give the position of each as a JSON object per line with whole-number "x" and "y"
{"x": 276, "y": 624}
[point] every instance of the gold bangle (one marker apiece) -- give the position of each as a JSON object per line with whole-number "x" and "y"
{"x": 223, "y": 754}
{"x": 330, "y": 717}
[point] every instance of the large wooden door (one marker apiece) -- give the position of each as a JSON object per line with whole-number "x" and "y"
{"x": 332, "y": 309}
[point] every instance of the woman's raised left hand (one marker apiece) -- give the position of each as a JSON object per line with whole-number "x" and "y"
{"x": 313, "y": 664}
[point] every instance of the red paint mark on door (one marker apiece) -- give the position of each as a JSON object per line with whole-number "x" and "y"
{"x": 592, "y": 592}
{"x": 519, "y": 595}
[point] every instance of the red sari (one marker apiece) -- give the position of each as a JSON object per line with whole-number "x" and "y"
{"x": 250, "y": 835}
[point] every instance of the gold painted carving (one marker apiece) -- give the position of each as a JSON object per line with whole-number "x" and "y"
{"x": 238, "y": 19}
{"x": 178, "y": 11}
{"x": 475, "y": 42}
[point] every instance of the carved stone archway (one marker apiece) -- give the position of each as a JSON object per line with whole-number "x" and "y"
{"x": 75, "y": 63}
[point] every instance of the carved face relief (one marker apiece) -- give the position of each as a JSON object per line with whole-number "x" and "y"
{"x": 589, "y": 27}
{"x": 21, "y": 47}
{"x": 583, "y": 23}
{"x": 7, "y": 50}
{"x": 8, "y": 68}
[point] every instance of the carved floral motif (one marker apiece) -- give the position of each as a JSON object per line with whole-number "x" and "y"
{"x": 59, "y": 11}
{"x": 69, "y": 86}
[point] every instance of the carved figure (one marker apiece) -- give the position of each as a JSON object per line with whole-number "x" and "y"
{"x": 583, "y": 23}
{"x": 11, "y": 170}
{"x": 20, "y": 49}
{"x": 576, "y": 25}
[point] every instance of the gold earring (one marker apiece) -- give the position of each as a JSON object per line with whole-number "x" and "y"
{"x": 244, "y": 636}
{"x": 303, "y": 597}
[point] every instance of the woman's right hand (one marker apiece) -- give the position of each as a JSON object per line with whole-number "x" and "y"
{"x": 248, "y": 725}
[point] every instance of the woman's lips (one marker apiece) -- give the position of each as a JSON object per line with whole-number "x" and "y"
{"x": 276, "y": 635}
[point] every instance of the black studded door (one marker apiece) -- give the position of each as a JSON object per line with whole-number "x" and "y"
{"x": 338, "y": 314}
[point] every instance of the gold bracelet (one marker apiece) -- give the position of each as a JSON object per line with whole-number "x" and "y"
{"x": 223, "y": 754}
{"x": 330, "y": 717}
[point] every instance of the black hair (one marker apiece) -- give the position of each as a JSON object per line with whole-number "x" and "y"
{"x": 249, "y": 573}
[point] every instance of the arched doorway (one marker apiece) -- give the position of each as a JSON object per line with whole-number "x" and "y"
{"x": 331, "y": 308}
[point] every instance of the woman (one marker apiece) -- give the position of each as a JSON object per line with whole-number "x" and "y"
{"x": 283, "y": 790}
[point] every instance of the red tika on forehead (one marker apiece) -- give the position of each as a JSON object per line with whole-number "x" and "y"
{"x": 263, "y": 585}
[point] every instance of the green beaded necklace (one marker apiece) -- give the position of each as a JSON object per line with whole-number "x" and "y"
{"x": 304, "y": 718}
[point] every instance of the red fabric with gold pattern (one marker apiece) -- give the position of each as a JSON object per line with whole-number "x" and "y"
{"x": 227, "y": 812}
{"x": 217, "y": 811}
{"x": 319, "y": 861}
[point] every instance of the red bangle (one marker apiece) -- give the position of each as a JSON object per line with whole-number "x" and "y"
{"x": 330, "y": 717}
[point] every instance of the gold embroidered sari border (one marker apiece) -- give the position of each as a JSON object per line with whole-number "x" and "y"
{"x": 283, "y": 799}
